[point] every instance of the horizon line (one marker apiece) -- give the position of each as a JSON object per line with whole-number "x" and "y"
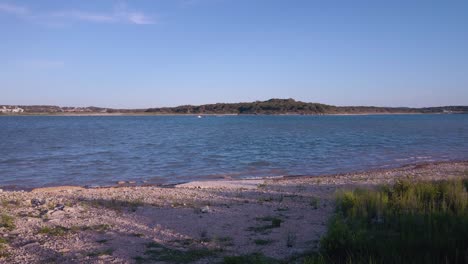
{"x": 240, "y": 102}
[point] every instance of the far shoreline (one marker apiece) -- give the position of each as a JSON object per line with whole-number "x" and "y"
{"x": 213, "y": 115}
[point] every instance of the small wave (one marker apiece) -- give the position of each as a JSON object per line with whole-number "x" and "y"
{"x": 260, "y": 163}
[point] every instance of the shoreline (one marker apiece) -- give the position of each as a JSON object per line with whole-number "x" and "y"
{"x": 205, "y": 221}
{"x": 229, "y": 183}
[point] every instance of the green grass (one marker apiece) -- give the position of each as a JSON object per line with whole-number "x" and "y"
{"x": 104, "y": 252}
{"x": 265, "y": 199}
{"x": 423, "y": 222}
{"x": 62, "y": 231}
{"x": 159, "y": 253}
{"x": 7, "y": 204}
{"x": 117, "y": 205}
{"x": 97, "y": 228}
{"x": 275, "y": 223}
{"x": 314, "y": 202}
{"x": 54, "y": 231}
{"x": 256, "y": 258}
{"x": 291, "y": 240}
{"x": 225, "y": 241}
{"x": 7, "y": 222}
{"x": 3, "y": 248}
{"x": 262, "y": 242}
{"x": 3, "y": 252}
{"x": 282, "y": 209}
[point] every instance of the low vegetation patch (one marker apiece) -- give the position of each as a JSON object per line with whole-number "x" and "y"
{"x": 265, "y": 199}
{"x": 103, "y": 252}
{"x": 117, "y": 205}
{"x": 3, "y": 251}
{"x": 7, "y": 222}
{"x": 54, "y": 231}
{"x": 10, "y": 203}
{"x": 314, "y": 202}
{"x": 97, "y": 228}
{"x": 159, "y": 253}
{"x": 275, "y": 223}
{"x": 223, "y": 241}
{"x": 3, "y": 246}
{"x": 291, "y": 240}
{"x": 62, "y": 231}
{"x": 256, "y": 258}
{"x": 422, "y": 222}
{"x": 263, "y": 242}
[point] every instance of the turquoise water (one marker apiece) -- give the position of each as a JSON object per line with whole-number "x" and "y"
{"x": 47, "y": 151}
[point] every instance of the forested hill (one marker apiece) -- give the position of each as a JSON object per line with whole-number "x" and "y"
{"x": 291, "y": 106}
{"x": 272, "y": 106}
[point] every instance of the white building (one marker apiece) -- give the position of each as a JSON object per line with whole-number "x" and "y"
{"x": 11, "y": 109}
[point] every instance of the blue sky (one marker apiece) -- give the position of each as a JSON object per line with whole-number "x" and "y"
{"x": 148, "y": 53}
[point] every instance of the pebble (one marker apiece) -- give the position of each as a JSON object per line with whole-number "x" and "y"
{"x": 36, "y": 202}
{"x": 206, "y": 209}
{"x": 33, "y": 244}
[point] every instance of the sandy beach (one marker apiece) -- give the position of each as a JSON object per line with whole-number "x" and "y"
{"x": 199, "y": 222}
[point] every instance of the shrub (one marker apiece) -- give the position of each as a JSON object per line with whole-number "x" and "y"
{"x": 424, "y": 222}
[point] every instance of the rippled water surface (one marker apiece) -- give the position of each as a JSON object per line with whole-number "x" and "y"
{"x": 43, "y": 151}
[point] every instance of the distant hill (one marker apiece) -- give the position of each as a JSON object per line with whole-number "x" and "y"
{"x": 269, "y": 107}
{"x": 272, "y": 106}
{"x": 291, "y": 106}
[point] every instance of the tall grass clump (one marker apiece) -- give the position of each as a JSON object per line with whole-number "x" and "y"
{"x": 409, "y": 222}
{"x": 7, "y": 222}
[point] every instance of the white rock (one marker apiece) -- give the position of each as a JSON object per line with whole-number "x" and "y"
{"x": 206, "y": 209}
{"x": 32, "y": 244}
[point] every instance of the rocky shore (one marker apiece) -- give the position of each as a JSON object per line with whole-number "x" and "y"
{"x": 199, "y": 222}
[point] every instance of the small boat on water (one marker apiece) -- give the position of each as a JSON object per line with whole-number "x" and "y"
{"x": 199, "y": 116}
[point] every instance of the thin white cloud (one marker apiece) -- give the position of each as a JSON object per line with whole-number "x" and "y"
{"x": 13, "y": 9}
{"x": 84, "y": 16}
{"x": 121, "y": 14}
{"x": 136, "y": 18}
{"x": 139, "y": 18}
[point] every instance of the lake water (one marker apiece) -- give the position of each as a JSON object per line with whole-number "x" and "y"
{"x": 100, "y": 150}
